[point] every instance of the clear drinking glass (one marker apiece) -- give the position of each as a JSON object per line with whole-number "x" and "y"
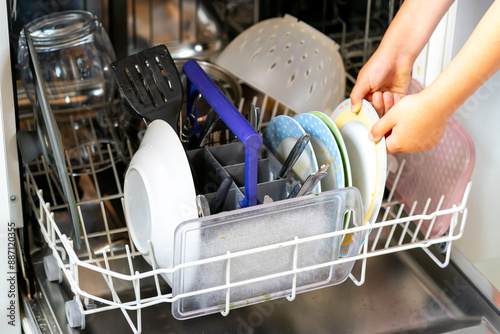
{"x": 75, "y": 54}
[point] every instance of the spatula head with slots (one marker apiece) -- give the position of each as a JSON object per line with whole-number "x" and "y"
{"x": 150, "y": 84}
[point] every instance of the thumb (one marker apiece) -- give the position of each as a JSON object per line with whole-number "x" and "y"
{"x": 359, "y": 91}
{"x": 379, "y": 129}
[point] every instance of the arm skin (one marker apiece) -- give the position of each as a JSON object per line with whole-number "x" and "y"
{"x": 418, "y": 121}
{"x": 386, "y": 76}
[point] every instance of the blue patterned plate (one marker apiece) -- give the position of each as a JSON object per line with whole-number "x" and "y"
{"x": 280, "y": 135}
{"x": 326, "y": 150}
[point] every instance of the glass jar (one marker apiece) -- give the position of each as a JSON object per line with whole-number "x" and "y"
{"x": 74, "y": 55}
{"x": 74, "y": 52}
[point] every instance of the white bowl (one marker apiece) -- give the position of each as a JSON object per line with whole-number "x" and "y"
{"x": 159, "y": 193}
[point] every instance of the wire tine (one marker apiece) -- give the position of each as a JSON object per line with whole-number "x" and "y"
{"x": 240, "y": 106}
{"x": 407, "y": 224}
{"x": 429, "y": 229}
{"x": 287, "y": 111}
{"x": 393, "y": 228}
{"x": 264, "y": 108}
{"x": 137, "y": 289}
{"x": 367, "y": 31}
{"x": 275, "y": 109}
{"x": 106, "y": 226}
{"x": 379, "y": 231}
{"x": 228, "y": 282}
{"x": 94, "y": 174}
{"x": 75, "y": 137}
{"x": 115, "y": 172}
{"x": 129, "y": 148}
{"x": 154, "y": 265}
{"x": 94, "y": 137}
{"x": 396, "y": 180}
{"x": 128, "y": 231}
{"x": 294, "y": 266}
{"x": 129, "y": 260}
{"x": 421, "y": 220}
{"x": 85, "y": 236}
{"x": 72, "y": 176}
{"x": 49, "y": 182}
{"x": 116, "y": 298}
{"x": 109, "y": 279}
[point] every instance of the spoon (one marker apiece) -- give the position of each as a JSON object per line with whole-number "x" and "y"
{"x": 203, "y": 207}
{"x": 310, "y": 182}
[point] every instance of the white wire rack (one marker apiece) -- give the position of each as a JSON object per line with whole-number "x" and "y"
{"x": 109, "y": 259}
{"x": 395, "y": 231}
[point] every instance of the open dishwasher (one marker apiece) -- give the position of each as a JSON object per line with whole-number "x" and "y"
{"x": 396, "y": 278}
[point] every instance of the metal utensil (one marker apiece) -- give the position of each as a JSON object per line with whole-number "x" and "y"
{"x": 310, "y": 182}
{"x": 253, "y": 116}
{"x": 221, "y": 194}
{"x": 210, "y": 123}
{"x": 294, "y": 155}
{"x": 187, "y": 130}
{"x": 203, "y": 207}
{"x": 151, "y": 85}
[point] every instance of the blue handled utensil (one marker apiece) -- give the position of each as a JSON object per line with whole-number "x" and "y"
{"x": 200, "y": 83}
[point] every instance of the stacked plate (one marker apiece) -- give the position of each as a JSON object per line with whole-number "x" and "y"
{"x": 341, "y": 141}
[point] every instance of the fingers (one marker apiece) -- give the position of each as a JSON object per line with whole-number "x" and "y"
{"x": 392, "y": 145}
{"x": 379, "y": 129}
{"x": 378, "y": 103}
{"x": 388, "y": 100}
{"x": 359, "y": 91}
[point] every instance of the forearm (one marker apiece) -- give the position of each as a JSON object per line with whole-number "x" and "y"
{"x": 475, "y": 63}
{"x": 412, "y": 27}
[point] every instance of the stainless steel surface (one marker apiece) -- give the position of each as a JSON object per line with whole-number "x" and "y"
{"x": 310, "y": 182}
{"x": 404, "y": 293}
{"x": 472, "y": 274}
{"x": 189, "y": 28}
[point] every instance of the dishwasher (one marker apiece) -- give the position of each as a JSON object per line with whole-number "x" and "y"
{"x": 300, "y": 265}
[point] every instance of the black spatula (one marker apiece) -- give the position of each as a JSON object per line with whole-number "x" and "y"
{"x": 150, "y": 84}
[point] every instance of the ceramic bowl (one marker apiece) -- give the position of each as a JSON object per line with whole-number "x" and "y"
{"x": 159, "y": 193}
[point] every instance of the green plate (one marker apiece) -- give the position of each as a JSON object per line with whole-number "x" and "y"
{"x": 340, "y": 142}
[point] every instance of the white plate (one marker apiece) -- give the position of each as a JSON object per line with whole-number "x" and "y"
{"x": 368, "y": 160}
{"x": 325, "y": 149}
{"x": 280, "y": 135}
{"x": 159, "y": 193}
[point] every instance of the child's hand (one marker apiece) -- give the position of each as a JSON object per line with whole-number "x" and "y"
{"x": 383, "y": 81}
{"x": 412, "y": 125}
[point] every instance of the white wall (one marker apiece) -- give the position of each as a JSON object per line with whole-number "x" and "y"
{"x": 480, "y": 117}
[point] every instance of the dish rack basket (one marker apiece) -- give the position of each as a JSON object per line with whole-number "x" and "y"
{"x": 108, "y": 256}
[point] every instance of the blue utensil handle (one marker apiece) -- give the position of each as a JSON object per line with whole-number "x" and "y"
{"x": 200, "y": 82}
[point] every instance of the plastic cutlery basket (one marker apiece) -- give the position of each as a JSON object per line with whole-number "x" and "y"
{"x": 268, "y": 260}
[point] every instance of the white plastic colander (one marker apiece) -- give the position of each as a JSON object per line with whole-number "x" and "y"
{"x": 290, "y": 61}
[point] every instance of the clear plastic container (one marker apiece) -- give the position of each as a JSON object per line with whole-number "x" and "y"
{"x": 269, "y": 273}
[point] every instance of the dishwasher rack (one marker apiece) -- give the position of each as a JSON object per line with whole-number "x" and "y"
{"x": 108, "y": 272}
{"x": 108, "y": 256}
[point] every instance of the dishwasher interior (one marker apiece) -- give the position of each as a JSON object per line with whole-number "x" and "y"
{"x": 395, "y": 277}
